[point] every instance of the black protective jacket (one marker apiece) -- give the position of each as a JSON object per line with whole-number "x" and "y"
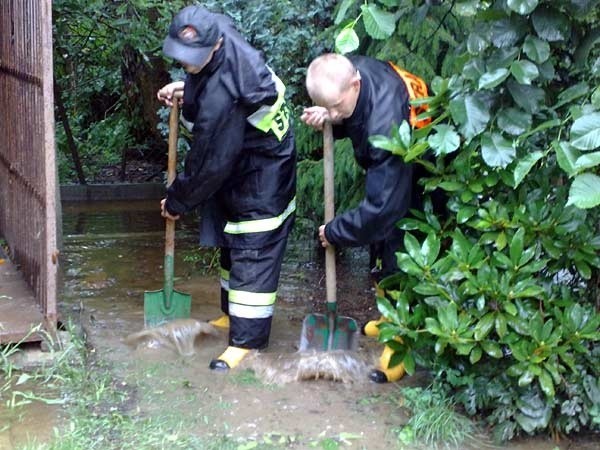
{"x": 242, "y": 174}
{"x": 383, "y": 103}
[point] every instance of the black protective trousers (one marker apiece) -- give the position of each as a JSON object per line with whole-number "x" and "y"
{"x": 249, "y": 280}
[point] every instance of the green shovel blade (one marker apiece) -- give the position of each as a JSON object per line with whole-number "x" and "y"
{"x": 315, "y": 333}
{"x": 158, "y": 310}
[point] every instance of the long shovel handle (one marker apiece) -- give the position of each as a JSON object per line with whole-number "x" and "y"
{"x": 328, "y": 184}
{"x": 329, "y": 189}
{"x": 170, "y": 224}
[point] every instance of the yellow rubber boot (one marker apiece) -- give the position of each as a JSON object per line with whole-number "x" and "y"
{"x": 229, "y": 359}
{"x": 221, "y": 322}
{"x": 371, "y": 328}
{"x": 385, "y": 374}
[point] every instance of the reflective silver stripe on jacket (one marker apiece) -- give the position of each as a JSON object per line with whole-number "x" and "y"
{"x": 260, "y": 225}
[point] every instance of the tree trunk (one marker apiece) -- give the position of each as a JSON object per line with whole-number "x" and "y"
{"x": 64, "y": 119}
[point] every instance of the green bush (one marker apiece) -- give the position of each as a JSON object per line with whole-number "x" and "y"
{"x": 499, "y": 296}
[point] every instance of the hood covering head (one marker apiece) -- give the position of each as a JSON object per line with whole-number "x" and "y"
{"x": 192, "y": 35}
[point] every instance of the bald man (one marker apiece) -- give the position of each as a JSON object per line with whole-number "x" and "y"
{"x": 364, "y": 97}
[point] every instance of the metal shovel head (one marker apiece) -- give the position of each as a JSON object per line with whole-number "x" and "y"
{"x": 315, "y": 333}
{"x": 158, "y": 310}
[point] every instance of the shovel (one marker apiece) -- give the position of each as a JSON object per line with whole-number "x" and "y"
{"x": 168, "y": 304}
{"x": 329, "y": 331}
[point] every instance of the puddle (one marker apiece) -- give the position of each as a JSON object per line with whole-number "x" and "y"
{"x": 113, "y": 253}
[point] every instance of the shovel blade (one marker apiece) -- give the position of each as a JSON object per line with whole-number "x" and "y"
{"x": 158, "y": 311}
{"x": 315, "y": 333}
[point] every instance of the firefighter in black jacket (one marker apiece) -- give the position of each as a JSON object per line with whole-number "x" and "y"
{"x": 364, "y": 97}
{"x": 240, "y": 169}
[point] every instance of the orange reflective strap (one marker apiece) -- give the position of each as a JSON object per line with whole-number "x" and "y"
{"x": 416, "y": 88}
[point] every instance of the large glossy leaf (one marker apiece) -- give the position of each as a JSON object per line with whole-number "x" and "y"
{"x": 347, "y": 41}
{"x": 444, "y": 141}
{"x": 490, "y": 80}
{"x": 587, "y": 161}
{"x": 501, "y": 325}
{"x": 475, "y": 355}
{"x": 447, "y": 315}
{"x": 497, "y": 151}
{"x": 525, "y": 165}
{"x": 566, "y": 156}
{"x": 411, "y": 244}
{"x": 534, "y": 413}
{"x": 409, "y": 363}
{"x": 550, "y": 24}
{"x": 379, "y": 24}
{"x": 536, "y": 49}
{"x": 522, "y": 7}
{"x": 404, "y": 133}
{"x": 524, "y": 71}
{"x": 484, "y": 326}
{"x": 502, "y": 58}
{"x": 387, "y": 310}
{"x": 492, "y": 348}
{"x": 585, "y": 191}
{"x": 430, "y": 249}
{"x": 546, "y": 384}
{"x": 585, "y": 132}
{"x": 383, "y": 142}
{"x": 471, "y": 113}
{"x": 474, "y": 69}
{"x": 514, "y": 121}
{"x": 529, "y": 98}
{"x": 406, "y": 264}
{"x": 476, "y": 43}
{"x": 572, "y": 93}
{"x": 506, "y": 32}
{"x": 516, "y": 246}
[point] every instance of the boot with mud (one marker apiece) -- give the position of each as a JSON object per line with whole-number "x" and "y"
{"x": 384, "y": 373}
{"x": 229, "y": 359}
{"x": 221, "y": 322}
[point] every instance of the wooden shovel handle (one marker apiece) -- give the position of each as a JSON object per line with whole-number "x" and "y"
{"x": 170, "y": 224}
{"x": 330, "y": 275}
{"x": 171, "y": 173}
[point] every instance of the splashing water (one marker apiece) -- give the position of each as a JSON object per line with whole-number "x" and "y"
{"x": 179, "y": 335}
{"x": 336, "y": 365}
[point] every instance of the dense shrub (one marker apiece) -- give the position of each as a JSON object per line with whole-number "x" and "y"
{"x": 499, "y": 296}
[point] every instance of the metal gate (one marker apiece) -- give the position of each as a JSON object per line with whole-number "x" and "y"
{"x": 28, "y": 182}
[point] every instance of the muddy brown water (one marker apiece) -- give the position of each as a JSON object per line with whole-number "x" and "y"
{"x": 113, "y": 252}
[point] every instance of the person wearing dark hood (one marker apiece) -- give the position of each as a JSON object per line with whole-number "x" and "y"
{"x": 240, "y": 169}
{"x": 363, "y": 97}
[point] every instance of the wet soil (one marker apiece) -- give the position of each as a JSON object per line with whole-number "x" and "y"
{"x": 113, "y": 253}
{"x": 106, "y": 272}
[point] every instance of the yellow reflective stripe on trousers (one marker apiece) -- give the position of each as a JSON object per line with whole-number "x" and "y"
{"x": 252, "y": 298}
{"x": 251, "y": 305}
{"x": 273, "y": 117}
{"x": 260, "y": 225}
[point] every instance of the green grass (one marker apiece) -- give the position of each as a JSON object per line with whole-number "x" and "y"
{"x": 102, "y": 410}
{"x": 434, "y": 422}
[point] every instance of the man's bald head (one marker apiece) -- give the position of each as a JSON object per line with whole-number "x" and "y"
{"x": 328, "y": 76}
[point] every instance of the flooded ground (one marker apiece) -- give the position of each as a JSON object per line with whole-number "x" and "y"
{"x": 114, "y": 252}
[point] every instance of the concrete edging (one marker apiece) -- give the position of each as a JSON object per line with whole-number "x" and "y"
{"x": 113, "y": 191}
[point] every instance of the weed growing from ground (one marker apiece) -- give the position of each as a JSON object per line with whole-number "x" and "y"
{"x": 434, "y": 422}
